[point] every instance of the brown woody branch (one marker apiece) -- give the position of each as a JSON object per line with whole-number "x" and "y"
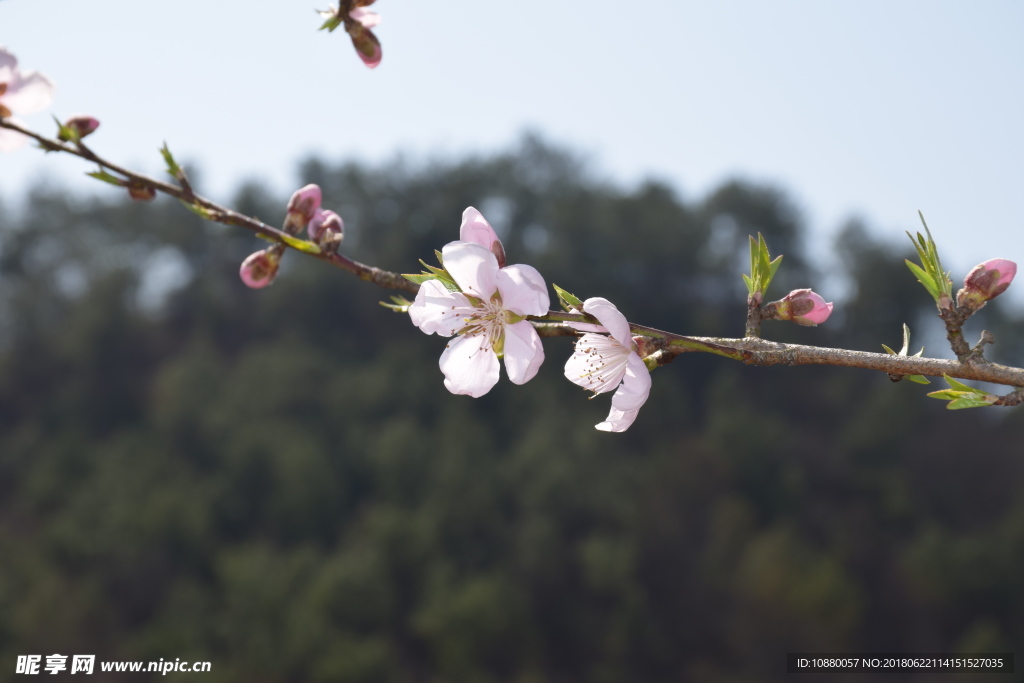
{"x": 663, "y": 346}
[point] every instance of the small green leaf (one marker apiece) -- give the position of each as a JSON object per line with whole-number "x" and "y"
{"x": 968, "y": 402}
{"x": 918, "y": 379}
{"x": 332, "y": 23}
{"x": 300, "y": 245}
{"x": 419, "y": 278}
{"x": 889, "y": 351}
{"x": 924, "y": 278}
{"x": 204, "y": 213}
{"x": 749, "y": 283}
{"x": 440, "y": 257}
{"x": 947, "y": 394}
{"x": 569, "y": 301}
{"x": 958, "y": 386}
{"x": 400, "y": 305}
{"x": 106, "y": 177}
{"x": 172, "y": 166}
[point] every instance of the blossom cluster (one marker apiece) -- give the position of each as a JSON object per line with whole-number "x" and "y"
{"x": 324, "y": 227}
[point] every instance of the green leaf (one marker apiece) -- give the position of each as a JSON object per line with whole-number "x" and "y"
{"x": 440, "y": 257}
{"x": 332, "y": 23}
{"x": 967, "y": 402}
{"x": 419, "y": 278}
{"x": 569, "y": 301}
{"x": 958, "y": 386}
{"x": 300, "y": 245}
{"x": 948, "y": 394}
{"x": 749, "y": 283}
{"x": 918, "y": 379}
{"x": 106, "y": 177}
{"x": 172, "y": 166}
{"x": 400, "y": 305}
{"x": 889, "y": 351}
{"x": 66, "y": 133}
{"x": 962, "y": 396}
{"x": 924, "y": 278}
{"x": 204, "y": 213}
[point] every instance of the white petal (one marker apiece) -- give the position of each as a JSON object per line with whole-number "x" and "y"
{"x": 469, "y": 366}
{"x": 29, "y": 92}
{"x": 598, "y": 363}
{"x": 617, "y": 420}
{"x": 636, "y": 385}
{"x": 524, "y": 352}
{"x": 606, "y": 312}
{"x": 473, "y": 267}
{"x": 11, "y": 140}
{"x": 523, "y": 290}
{"x": 438, "y": 311}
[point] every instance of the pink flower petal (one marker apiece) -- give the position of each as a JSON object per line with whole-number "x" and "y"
{"x": 29, "y": 92}
{"x": 473, "y": 267}
{"x": 8, "y": 65}
{"x": 11, "y": 140}
{"x": 469, "y": 365}
{"x": 524, "y": 352}
{"x": 367, "y": 18}
{"x": 367, "y": 47}
{"x": 609, "y": 316}
{"x": 523, "y": 290}
{"x": 617, "y": 420}
{"x": 598, "y": 363}
{"x": 438, "y": 311}
{"x": 636, "y": 385}
{"x": 475, "y": 228}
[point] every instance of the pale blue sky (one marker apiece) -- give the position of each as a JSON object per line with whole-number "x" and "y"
{"x": 872, "y": 107}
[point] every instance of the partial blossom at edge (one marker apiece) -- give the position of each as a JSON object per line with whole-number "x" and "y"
{"x": 609, "y": 361}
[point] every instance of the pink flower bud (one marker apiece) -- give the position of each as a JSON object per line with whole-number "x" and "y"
{"x": 301, "y": 208}
{"x": 260, "y": 268}
{"x": 366, "y": 44}
{"x": 326, "y": 229}
{"x": 985, "y": 282}
{"x": 140, "y": 192}
{"x": 475, "y": 228}
{"x": 80, "y": 127}
{"x": 802, "y": 306}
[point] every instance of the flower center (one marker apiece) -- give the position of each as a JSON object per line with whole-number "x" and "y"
{"x": 488, "y": 319}
{"x": 604, "y": 363}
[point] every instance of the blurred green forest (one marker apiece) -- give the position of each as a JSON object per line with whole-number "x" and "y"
{"x": 277, "y": 481}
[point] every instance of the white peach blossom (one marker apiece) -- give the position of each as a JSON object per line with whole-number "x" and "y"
{"x": 606, "y": 359}
{"x": 487, "y": 318}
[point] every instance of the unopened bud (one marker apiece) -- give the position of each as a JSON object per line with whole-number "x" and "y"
{"x": 260, "y": 268}
{"x": 78, "y": 127}
{"x": 985, "y": 282}
{"x": 326, "y": 229}
{"x": 802, "y": 306}
{"x": 301, "y": 208}
{"x": 141, "y": 192}
{"x": 475, "y": 228}
{"x": 366, "y": 44}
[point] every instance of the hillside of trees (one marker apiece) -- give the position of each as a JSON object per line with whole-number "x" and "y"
{"x": 278, "y": 482}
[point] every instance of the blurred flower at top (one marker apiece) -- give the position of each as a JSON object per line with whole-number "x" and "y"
{"x": 21, "y": 92}
{"x": 358, "y": 21}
